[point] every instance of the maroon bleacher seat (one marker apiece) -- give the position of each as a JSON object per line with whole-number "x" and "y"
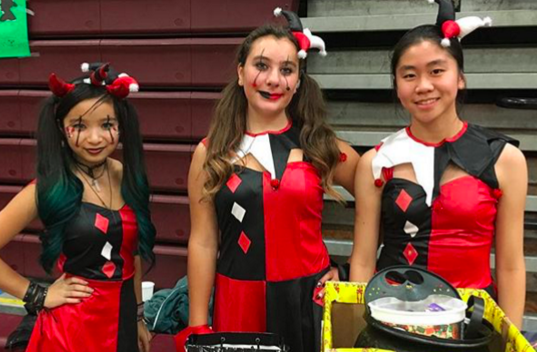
{"x": 9, "y": 118}
{"x": 60, "y": 56}
{"x": 8, "y": 323}
{"x": 9, "y": 72}
{"x": 69, "y": 18}
{"x": 169, "y": 267}
{"x": 10, "y": 154}
{"x": 58, "y": 18}
{"x": 163, "y": 343}
{"x": 150, "y": 17}
{"x": 234, "y": 15}
{"x": 171, "y": 216}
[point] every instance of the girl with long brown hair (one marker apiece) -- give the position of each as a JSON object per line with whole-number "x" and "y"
{"x": 256, "y": 188}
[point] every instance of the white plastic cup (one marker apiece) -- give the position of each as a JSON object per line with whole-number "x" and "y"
{"x": 147, "y": 290}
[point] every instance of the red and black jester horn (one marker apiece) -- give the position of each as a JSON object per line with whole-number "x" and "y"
{"x": 305, "y": 38}
{"x": 452, "y": 28}
{"x": 122, "y": 86}
{"x": 99, "y": 75}
{"x": 58, "y": 86}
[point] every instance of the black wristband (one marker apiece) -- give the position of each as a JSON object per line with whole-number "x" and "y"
{"x": 30, "y": 292}
{"x": 35, "y": 298}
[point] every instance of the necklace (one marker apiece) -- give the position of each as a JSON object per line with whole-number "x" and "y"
{"x": 89, "y": 170}
{"x": 91, "y": 186}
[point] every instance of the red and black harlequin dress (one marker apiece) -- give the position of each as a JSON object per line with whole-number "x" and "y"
{"x": 271, "y": 252}
{"x": 445, "y": 228}
{"x": 99, "y": 247}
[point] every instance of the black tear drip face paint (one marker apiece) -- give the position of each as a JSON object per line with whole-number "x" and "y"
{"x": 262, "y": 63}
{"x": 285, "y": 77}
{"x": 78, "y": 131}
{"x": 110, "y": 129}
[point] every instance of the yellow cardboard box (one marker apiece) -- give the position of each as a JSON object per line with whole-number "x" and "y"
{"x": 344, "y": 308}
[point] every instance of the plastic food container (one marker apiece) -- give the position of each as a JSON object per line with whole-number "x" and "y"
{"x": 437, "y": 315}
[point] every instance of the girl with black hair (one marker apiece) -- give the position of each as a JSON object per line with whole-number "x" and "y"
{"x": 256, "y": 189}
{"x": 95, "y": 210}
{"x": 442, "y": 189}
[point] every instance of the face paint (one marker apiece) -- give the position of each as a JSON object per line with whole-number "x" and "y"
{"x": 69, "y": 131}
{"x": 110, "y": 129}
{"x": 260, "y": 63}
{"x": 285, "y": 77}
{"x": 78, "y": 131}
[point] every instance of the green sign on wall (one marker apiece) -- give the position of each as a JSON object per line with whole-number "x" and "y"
{"x": 13, "y": 29}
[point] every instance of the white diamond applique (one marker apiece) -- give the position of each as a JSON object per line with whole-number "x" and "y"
{"x": 411, "y": 229}
{"x": 107, "y": 251}
{"x": 238, "y": 211}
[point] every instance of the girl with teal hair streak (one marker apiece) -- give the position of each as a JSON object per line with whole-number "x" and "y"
{"x": 95, "y": 210}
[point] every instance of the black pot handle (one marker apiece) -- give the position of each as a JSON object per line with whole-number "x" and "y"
{"x": 476, "y": 317}
{"x": 517, "y": 103}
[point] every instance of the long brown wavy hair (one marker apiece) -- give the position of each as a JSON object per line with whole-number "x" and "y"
{"x": 307, "y": 110}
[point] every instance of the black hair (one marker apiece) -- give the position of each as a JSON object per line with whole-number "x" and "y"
{"x": 433, "y": 34}
{"x": 59, "y": 191}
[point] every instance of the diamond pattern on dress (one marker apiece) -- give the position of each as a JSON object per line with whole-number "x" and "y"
{"x": 107, "y": 251}
{"x": 403, "y": 200}
{"x": 238, "y": 211}
{"x": 410, "y": 253}
{"x": 233, "y": 183}
{"x": 101, "y": 223}
{"x": 244, "y": 242}
{"x": 411, "y": 229}
{"x": 108, "y": 269}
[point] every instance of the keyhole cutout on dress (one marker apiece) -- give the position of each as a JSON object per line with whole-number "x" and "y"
{"x": 250, "y": 162}
{"x": 451, "y": 173}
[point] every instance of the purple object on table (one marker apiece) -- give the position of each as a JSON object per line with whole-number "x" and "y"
{"x": 433, "y": 307}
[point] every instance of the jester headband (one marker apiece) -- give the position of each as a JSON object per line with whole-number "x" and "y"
{"x": 118, "y": 85}
{"x": 306, "y": 40}
{"x": 452, "y": 28}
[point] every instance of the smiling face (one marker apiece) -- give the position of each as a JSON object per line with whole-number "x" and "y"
{"x": 427, "y": 82}
{"x": 91, "y": 131}
{"x": 269, "y": 75}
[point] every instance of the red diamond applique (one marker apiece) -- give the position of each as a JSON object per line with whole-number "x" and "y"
{"x": 410, "y": 253}
{"x": 233, "y": 183}
{"x": 108, "y": 269}
{"x": 101, "y": 223}
{"x": 244, "y": 242}
{"x": 403, "y": 200}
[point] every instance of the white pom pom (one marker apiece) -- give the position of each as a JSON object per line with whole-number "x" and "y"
{"x": 430, "y": 1}
{"x": 446, "y": 43}
{"x": 323, "y": 53}
{"x": 84, "y": 67}
{"x": 277, "y": 11}
{"x": 123, "y": 75}
{"x": 134, "y": 88}
{"x": 302, "y": 54}
{"x": 487, "y": 21}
